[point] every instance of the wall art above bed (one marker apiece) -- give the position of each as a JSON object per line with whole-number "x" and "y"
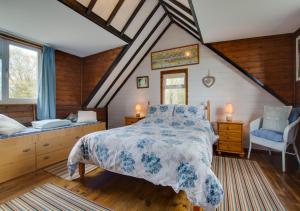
{"x": 174, "y": 57}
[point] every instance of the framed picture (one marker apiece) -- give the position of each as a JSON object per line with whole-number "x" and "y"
{"x": 174, "y": 57}
{"x": 142, "y": 82}
{"x": 298, "y": 58}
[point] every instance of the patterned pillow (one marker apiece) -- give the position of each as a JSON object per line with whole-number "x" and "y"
{"x": 190, "y": 112}
{"x": 160, "y": 111}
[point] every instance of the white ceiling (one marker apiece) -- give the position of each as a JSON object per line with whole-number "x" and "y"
{"x": 50, "y": 22}
{"x": 221, "y": 20}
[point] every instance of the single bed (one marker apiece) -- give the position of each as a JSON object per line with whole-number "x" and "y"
{"x": 172, "y": 147}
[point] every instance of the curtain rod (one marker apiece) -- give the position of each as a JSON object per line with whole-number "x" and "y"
{"x": 19, "y": 40}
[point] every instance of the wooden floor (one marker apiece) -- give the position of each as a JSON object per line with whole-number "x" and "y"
{"x": 126, "y": 193}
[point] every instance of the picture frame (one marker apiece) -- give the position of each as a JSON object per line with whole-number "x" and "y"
{"x": 298, "y": 58}
{"x": 142, "y": 82}
{"x": 175, "y": 57}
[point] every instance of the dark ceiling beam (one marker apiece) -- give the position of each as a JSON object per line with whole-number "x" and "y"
{"x": 136, "y": 10}
{"x": 168, "y": 6}
{"x": 132, "y": 58}
{"x": 166, "y": 10}
{"x": 114, "y": 12}
{"x": 188, "y": 31}
{"x": 79, "y": 8}
{"x": 182, "y": 6}
{"x": 245, "y": 72}
{"x": 185, "y": 24}
{"x": 91, "y": 6}
{"x": 120, "y": 56}
{"x": 136, "y": 66}
{"x": 195, "y": 19}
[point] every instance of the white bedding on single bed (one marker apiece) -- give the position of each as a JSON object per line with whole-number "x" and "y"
{"x": 169, "y": 151}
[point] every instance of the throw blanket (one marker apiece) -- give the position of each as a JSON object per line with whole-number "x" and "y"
{"x": 166, "y": 152}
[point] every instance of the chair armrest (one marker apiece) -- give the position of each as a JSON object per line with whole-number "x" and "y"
{"x": 255, "y": 124}
{"x": 290, "y": 132}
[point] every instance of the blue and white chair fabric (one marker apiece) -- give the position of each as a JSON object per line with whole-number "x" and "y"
{"x": 276, "y": 140}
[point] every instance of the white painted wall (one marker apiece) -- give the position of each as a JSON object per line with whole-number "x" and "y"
{"x": 231, "y": 86}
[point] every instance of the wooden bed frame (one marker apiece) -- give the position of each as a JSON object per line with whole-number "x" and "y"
{"x": 81, "y": 166}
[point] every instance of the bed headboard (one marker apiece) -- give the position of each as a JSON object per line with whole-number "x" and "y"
{"x": 208, "y": 110}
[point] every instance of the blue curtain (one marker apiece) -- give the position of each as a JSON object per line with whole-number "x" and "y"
{"x": 46, "y": 103}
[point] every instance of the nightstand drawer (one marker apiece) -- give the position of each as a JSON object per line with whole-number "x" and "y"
{"x": 230, "y": 146}
{"x": 226, "y": 127}
{"x": 230, "y": 136}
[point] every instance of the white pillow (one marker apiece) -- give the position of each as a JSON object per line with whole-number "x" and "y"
{"x": 87, "y": 116}
{"x": 276, "y": 118}
{"x": 9, "y": 126}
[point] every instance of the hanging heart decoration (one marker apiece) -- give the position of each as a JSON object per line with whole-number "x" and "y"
{"x": 208, "y": 80}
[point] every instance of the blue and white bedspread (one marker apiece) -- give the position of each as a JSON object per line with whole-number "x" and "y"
{"x": 163, "y": 151}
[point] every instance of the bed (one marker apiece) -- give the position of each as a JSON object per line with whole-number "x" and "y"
{"x": 172, "y": 147}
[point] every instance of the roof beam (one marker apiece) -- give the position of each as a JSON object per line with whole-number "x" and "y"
{"x": 188, "y": 31}
{"x": 118, "y": 59}
{"x": 79, "y": 8}
{"x": 181, "y": 6}
{"x": 195, "y": 19}
{"x": 177, "y": 19}
{"x": 178, "y": 12}
{"x": 114, "y": 12}
{"x": 136, "y": 10}
{"x": 132, "y": 57}
{"x": 91, "y": 6}
{"x": 165, "y": 9}
{"x": 136, "y": 66}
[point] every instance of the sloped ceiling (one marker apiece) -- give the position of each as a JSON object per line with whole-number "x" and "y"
{"x": 50, "y": 22}
{"x": 238, "y": 19}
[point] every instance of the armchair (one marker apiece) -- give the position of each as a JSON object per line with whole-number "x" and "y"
{"x": 274, "y": 140}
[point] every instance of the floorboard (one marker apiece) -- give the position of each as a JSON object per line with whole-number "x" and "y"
{"x": 126, "y": 193}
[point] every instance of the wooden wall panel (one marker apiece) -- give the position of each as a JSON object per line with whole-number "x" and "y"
{"x": 68, "y": 83}
{"x": 94, "y": 67}
{"x": 269, "y": 59}
{"x": 23, "y": 113}
{"x": 297, "y": 83}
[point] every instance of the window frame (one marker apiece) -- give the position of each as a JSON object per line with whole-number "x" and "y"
{"x": 170, "y": 72}
{"x": 4, "y": 50}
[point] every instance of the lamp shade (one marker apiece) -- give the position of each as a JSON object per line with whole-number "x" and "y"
{"x": 138, "y": 108}
{"x": 228, "y": 108}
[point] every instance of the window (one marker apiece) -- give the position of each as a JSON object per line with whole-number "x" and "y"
{"x": 174, "y": 87}
{"x": 19, "y": 67}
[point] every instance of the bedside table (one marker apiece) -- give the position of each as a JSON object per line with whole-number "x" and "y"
{"x": 132, "y": 119}
{"x": 230, "y": 137}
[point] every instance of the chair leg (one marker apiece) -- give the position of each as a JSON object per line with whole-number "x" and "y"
{"x": 283, "y": 160}
{"x": 296, "y": 152}
{"x": 249, "y": 150}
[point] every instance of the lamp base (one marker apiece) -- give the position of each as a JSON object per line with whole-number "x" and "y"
{"x": 138, "y": 115}
{"x": 228, "y": 118}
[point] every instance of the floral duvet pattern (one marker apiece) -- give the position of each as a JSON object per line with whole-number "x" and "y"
{"x": 165, "y": 152}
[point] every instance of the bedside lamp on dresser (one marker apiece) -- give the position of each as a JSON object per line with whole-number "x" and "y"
{"x": 230, "y": 134}
{"x": 133, "y": 119}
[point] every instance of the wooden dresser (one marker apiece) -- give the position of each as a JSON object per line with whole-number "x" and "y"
{"x": 131, "y": 119}
{"x": 230, "y": 137}
{"x": 27, "y": 153}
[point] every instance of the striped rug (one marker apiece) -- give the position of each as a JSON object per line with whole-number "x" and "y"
{"x": 61, "y": 170}
{"x": 51, "y": 197}
{"x": 245, "y": 185}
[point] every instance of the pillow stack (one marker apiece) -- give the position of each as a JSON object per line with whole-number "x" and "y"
{"x": 9, "y": 126}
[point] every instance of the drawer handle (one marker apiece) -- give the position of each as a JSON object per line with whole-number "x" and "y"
{"x": 26, "y": 150}
{"x": 77, "y": 137}
{"x": 45, "y": 145}
{"x": 46, "y": 157}
{"x": 227, "y": 127}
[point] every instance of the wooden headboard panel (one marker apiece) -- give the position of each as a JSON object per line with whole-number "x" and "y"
{"x": 23, "y": 113}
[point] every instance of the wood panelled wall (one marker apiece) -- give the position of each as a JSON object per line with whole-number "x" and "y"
{"x": 94, "y": 67}
{"x": 297, "y": 83}
{"x": 68, "y": 83}
{"x": 269, "y": 59}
